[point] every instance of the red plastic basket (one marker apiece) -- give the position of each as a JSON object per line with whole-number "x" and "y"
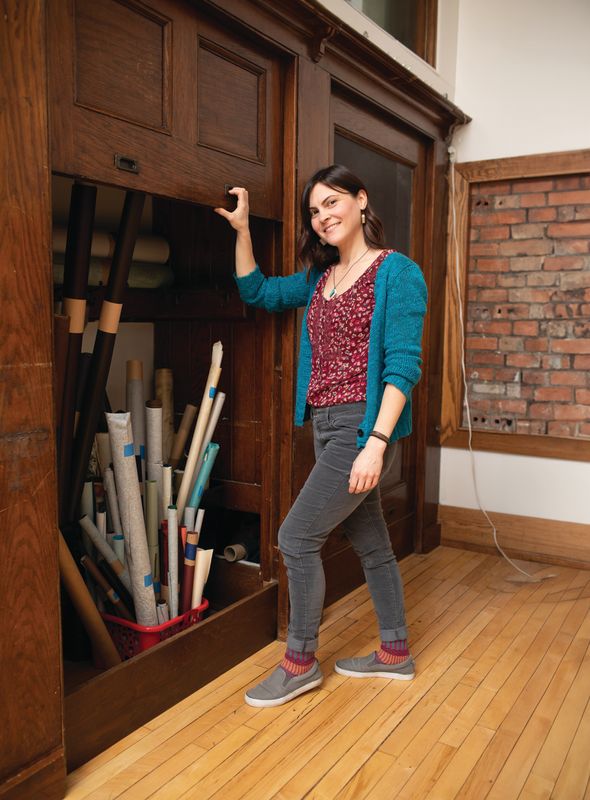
{"x": 131, "y": 639}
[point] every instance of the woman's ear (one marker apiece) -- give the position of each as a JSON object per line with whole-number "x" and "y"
{"x": 362, "y": 198}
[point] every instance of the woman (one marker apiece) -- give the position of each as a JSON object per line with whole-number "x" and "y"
{"x": 359, "y": 360}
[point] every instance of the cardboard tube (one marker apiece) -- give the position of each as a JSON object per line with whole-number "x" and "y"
{"x": 165, "y": 393}
{"x": 108, "y": 590}
{"x": 235, "y": 552}
{"x": 202, "y": 567}
{"x": 103, "y": 548}
{"x": 166, "y": 489}
{"x": 173, "y": 561}
{"x": 208, "y": 435}
{"x": 201, "y": 424}
{"x": 151, "y": 515}
{"x": 87, "y": 611}
{"x": 136, "y": 407}
{"x": 188, "y": 572}
{"x": 104, "y": 345}
{"x": 186, "y": 423}
{"x": 204, "y": 473}
{"x": 132, "y": 519}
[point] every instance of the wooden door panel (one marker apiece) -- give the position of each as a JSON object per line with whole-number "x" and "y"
{"x": 153, "y": 96}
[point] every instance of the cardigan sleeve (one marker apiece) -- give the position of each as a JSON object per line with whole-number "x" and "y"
{"x": 274, "y": 293}
{"x": 404, "y": 322}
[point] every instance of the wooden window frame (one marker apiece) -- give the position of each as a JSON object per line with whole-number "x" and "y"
{"x": 452, "y": 433}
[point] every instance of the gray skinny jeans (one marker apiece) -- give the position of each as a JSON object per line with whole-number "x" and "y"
{"x": 323, "y": 503}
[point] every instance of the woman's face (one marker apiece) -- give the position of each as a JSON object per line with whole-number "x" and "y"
{"x": 335, "y": 214}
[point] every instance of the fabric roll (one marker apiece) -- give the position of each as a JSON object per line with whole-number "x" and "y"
{"x": 103, "y": 548}
{"x": 204, "y": 474}
{"x": 163, "y": 612}
{"x": 153, "y": 422}
{"x": 142, "y": 274}
{"x": 189, "y": 518}
{"x": 173, "y": 561}
{"x": 202, "y": 567}
{"x": 190, "y": 412}
{"x": 112, "y": 500}
{"x": 151, "y": 519}
{"x": 188, "y": 573}
{"x": 201, "y": 424}
{"x": 136, "y": 546}
{"x": 166, "y": 490}
{"x": 165, "y": 393}
{"x": 103, "y": 448}
{"x": 136, "y": 407}
{"x": 151, "y": 249}
{"x": 101, "y": 523}
{"x": 208, "y": 435}
{"x": 119, "y": 547}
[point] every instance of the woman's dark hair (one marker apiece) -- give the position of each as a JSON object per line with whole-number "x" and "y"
{"x": 310, "y": 251}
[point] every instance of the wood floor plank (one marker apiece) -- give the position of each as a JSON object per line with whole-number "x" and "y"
{"x": 498, "y": 709}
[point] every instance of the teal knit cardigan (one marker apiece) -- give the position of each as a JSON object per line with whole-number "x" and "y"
{"x": 395, "y": 338}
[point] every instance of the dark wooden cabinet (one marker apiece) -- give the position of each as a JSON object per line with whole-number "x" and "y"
{"x": 179, "y": 98}
{"x": 153, "y": 96}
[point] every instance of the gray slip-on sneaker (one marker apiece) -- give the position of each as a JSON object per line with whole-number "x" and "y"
{"x": 280, "y": 687}
{"x": 370, "y": 667}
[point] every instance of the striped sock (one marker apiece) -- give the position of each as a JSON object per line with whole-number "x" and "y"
{"x": 296, "y": 663}
{"x": 393, "y": 652}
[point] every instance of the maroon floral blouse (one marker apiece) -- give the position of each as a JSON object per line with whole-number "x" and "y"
{"x": 339, "y": 334}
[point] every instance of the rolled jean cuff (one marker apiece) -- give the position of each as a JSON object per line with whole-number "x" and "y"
{"x": 302, "y": 645}
{"x": 394, "y": 634}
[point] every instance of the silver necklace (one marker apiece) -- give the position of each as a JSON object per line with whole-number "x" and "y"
{"x": 350, "y": 266}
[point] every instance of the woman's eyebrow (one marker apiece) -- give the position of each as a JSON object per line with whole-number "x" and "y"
{"x": 325, "y": 200}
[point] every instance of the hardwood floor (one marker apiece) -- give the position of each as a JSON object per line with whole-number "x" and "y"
{"x": 498, "y": 709}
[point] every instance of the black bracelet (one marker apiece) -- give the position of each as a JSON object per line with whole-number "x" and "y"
{"x": 379, "y": 435}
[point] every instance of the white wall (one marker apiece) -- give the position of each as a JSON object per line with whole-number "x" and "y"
{"x": 523, "y": 71}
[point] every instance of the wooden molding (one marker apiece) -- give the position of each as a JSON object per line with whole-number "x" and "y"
{"x": 531, "y": 538}
{"x": 452, "y": 434}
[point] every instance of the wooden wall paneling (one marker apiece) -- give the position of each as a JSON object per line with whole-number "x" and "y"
{"x": 31, "y": 743}
{"x": 451, "y": 432}
{"x": 532, "y": 538}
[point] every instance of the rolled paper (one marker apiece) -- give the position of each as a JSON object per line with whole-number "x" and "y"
{"x": 190, "y": 515}
{"x": 166, "y": 489}
{"x": 104, "y": 344}
{"x": 99, "y": 579}
{"x": 165, "y": 393}
{"x": 107, "y": 552}
{"x": 136, "y": 547}
{"x": 136, "y": 407}
{"x": 173, "y": 561}
{"x": 202, "y": 567}
{"x": 201, "y": 425}
{"x": 151, "y": 520}
{"x": 163, "y": 613}
{"x": 113, "y": 579}
{"x": 163, "y": 548}
{"x": 76, "y": 246}
{"x": 103, "y": 447}
{"x": 87, "y": 509}
{"x": 119, "y": 547}
{"x": 101, "y": 523}
{"x": 148, "y": 248}
{"x": 188, "y": 572}
{"x": 208, "y": 435}
{"x": 112, "y": 501}
{"x": 153, "y": 422}
{"x": 184, "y": 429}
{"x": 235, "y": 552}
{"x": 84, "y": 605}
{"x": 177, "y": 475}
{"x": 204, "y": 473}
{"x": 142, "y": 274}
{"x": 109, "y": 538}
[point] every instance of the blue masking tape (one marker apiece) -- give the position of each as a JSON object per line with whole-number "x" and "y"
{"x": 212, "y": 391}
{"x": 190, "y": 551}
{"x": 157, "y": 587}
{"x": 128, "y": 449}
{"x": 142, "y": 451}
{"x": 147, "y": 580}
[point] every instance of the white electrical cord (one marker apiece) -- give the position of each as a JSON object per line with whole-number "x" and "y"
{"x": 455, "y": 248}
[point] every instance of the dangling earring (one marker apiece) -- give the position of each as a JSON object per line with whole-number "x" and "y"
{"x": 363, "y": 217}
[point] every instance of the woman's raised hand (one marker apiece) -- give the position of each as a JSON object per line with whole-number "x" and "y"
{"x": 238, "y": 218}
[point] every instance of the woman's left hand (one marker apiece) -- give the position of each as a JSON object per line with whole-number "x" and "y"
{"x": 367, "y": 466}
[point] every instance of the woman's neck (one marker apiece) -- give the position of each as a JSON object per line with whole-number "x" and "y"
{"x": 352, "y": 249}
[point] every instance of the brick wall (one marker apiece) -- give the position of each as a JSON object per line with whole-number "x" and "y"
{"x": 528, "y": 306}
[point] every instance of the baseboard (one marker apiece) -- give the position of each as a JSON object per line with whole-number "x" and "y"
{"x": 530, "y": 538}
{"x": 43, "y": 780}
